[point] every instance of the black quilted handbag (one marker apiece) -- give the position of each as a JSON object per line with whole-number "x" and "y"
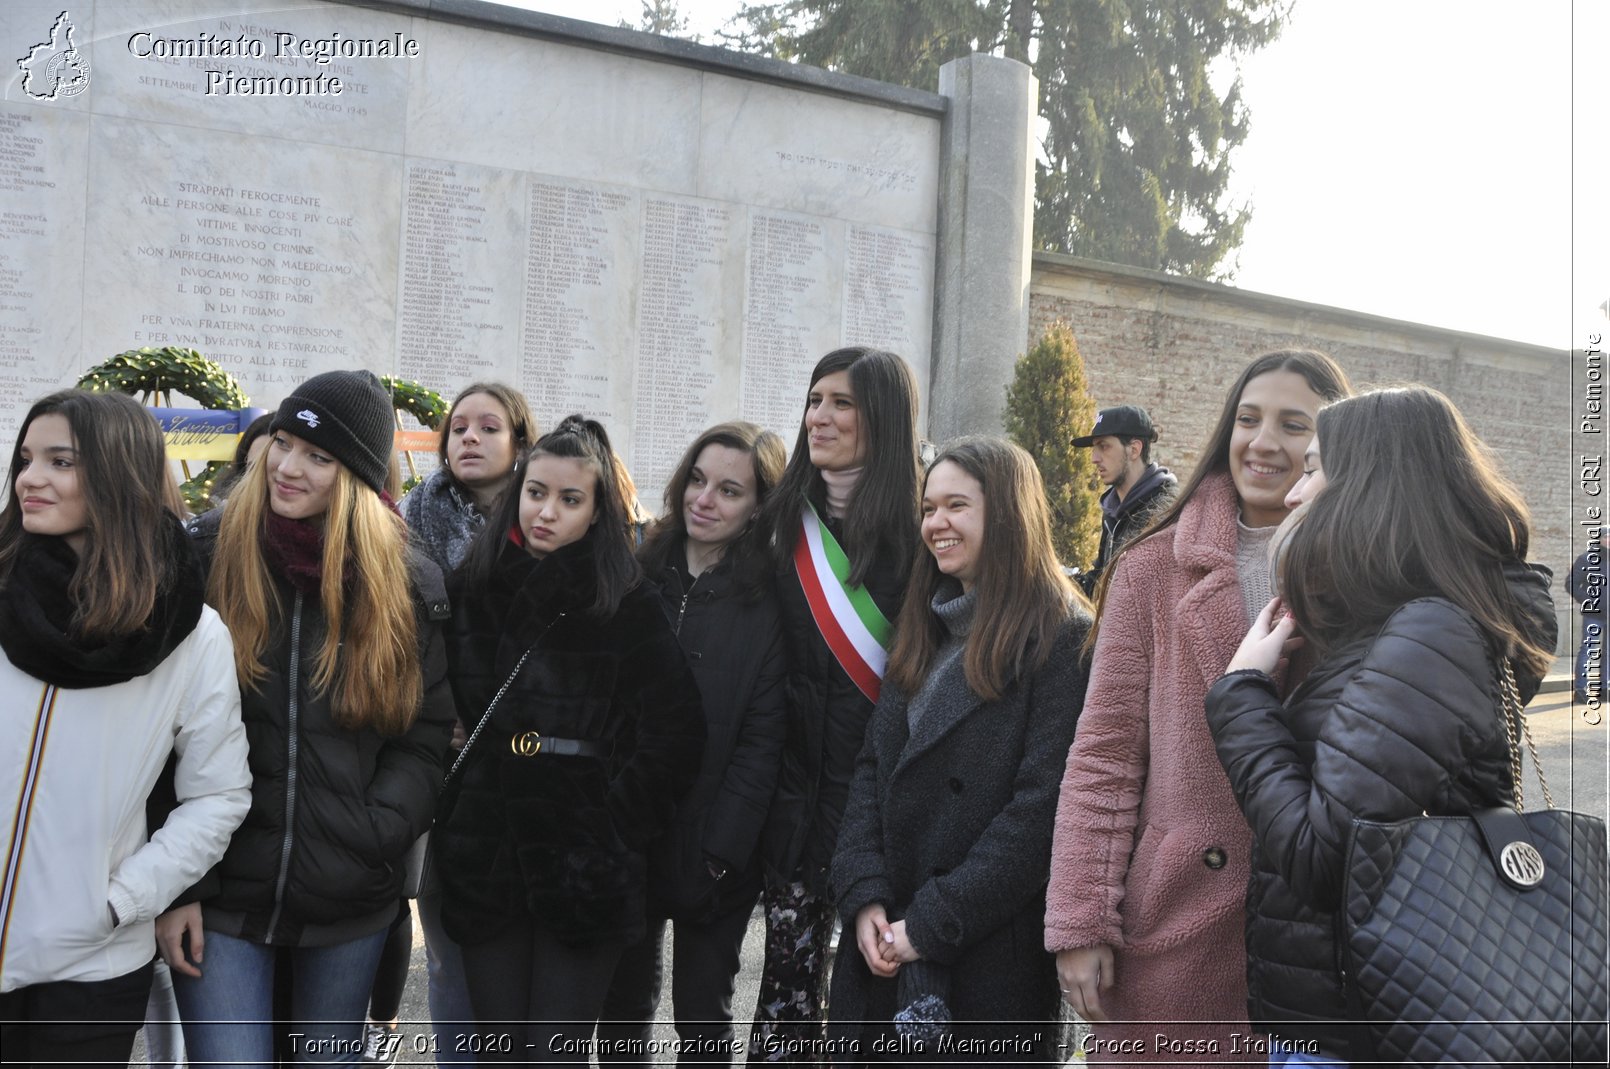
{"x": 1480, "y": 940}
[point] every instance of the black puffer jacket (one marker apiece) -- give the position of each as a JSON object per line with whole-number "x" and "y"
{"x": 319, "y": 857}
{"x": 560, "y": 840}
{"x": 827, "y": 721}
{"x": 734, "y": 641}
{"x": 1403, "y": 723}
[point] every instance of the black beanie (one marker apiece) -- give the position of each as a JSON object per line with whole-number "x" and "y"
{"x": 347, "y": 414}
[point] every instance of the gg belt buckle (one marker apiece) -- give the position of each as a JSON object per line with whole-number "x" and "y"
{"x": 526, "y": 744}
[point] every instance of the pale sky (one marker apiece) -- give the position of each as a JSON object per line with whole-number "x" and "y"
{"x": 1410, "y": 158}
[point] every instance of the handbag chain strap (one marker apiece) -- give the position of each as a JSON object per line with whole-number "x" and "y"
{"x": 1516, "y": 727}
{"x": 493, "y": 704}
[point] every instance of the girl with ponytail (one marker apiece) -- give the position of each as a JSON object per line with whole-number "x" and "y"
{"x": 585, "y": 728}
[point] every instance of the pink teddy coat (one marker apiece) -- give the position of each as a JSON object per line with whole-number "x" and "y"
{"x": 1151, "y": 853}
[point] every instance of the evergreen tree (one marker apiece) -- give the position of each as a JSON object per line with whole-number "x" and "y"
{"x": 1047, "y": 405}
{"x": 1134, "y": 158}
{"x": 663, "y": 17}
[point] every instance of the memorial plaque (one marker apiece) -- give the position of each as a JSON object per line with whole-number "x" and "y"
{"x": 325, "y": 73}
{"x": 580, "y": 265}
{"x": 791, "y": 314}
{"x": 42, "y": 174}
{"x": 643, "y": 237}
{"x": 278, "y": 271}
{"x": 681, "y": 330}
{"x": 808, "y": 152}
{"x": 459, "y": 296}
{"x": 888, "y": 280}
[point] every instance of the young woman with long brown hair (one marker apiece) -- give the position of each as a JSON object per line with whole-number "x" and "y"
{"x": 112, "y": 664}
{"x": 705, "y": 560}
{"x": 585, "y": 729}
{"x": 1149, "y": 874}
{"x": 1406, "y": 575}
{"x": 489, "y": 426}
{"x": 337, "y": 629}
{"x": 946, "y": 841}
{"x": 842, "y": 527}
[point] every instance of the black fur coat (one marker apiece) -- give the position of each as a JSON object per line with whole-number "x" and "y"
{"x": 559, "y": 841}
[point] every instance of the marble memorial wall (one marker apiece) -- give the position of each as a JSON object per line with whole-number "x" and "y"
{"x": 655, "y": 245}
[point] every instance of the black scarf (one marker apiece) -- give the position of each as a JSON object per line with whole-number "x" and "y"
{"x": 36, "y": 617}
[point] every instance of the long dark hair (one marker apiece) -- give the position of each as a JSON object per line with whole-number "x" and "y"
{"x": 881, "y": 521}
{"x": 615, "y": 569}
{"x": 1414, "y": 506}
{"x": 766, "y": 454}
{"x": 1024, "y": 598}
{"x": 1323, "y": 375}
{"x": 127, "y": 560}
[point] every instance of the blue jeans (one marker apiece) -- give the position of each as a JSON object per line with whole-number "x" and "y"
{"x": 228, "y": 1012}
{"x": 449, "y": 994}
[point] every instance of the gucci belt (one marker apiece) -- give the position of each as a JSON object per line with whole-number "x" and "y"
{"x": 535, "y": 744}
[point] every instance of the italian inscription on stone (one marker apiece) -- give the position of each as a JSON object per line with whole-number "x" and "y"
{"x": 790, "y": 316}
{"x": 887, "y": 276}
{"x": 577, "y": 298}
{"x": 252, "y": 278}
{"x": 448, "y": 329}
{"x": 678, "y": 330}
{"x": 26, "y": 244}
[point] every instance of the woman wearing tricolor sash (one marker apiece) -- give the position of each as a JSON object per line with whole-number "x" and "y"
{"x": 842, "y": 524}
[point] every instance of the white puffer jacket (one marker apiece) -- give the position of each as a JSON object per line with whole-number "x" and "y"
{"x": 76, "y": 768}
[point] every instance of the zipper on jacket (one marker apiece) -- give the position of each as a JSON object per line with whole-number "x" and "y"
{"x": 682, "y": 610}
{"x": 290, "y": 769}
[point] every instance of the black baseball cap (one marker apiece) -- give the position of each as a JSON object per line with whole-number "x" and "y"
{"x": 1129, "y": 421}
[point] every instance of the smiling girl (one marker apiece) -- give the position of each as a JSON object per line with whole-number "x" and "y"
{"x": 585, "y": 728}
{"x": 339, "y": 657}
{"x": 946, "y": 839}
{"x": 705, "y": 561}
{"x": 842, "y": 528}
{"x": 1149, "y": 873}
{"x": 112, "y": 663}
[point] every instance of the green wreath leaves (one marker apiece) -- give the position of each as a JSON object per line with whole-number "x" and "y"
{"x": 146, "y": 372}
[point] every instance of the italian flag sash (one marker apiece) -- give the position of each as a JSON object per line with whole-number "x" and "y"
{"x": 852, "y": 625}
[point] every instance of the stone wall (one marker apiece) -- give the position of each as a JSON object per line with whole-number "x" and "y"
{"x": 660, "y": 234}
{"x": 1175, "y": 345}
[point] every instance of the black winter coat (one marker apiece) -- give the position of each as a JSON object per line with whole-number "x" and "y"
{"x": 827, "y": 720}
{"x": 1406, "y": 722}
{"x": 733, "y": 638}
{"x": 333, "y": 810}
{"x": 559, "y": 841}
{"x": 950, "y": 829}
{"x": 1122, "y": 520}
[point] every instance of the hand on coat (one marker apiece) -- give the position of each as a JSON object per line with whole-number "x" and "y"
{"x": 871, "y": 934}
{"x": 1269, "y": 643}
{"x": 172, "y": 927}
{"x": 1083, "y": 973}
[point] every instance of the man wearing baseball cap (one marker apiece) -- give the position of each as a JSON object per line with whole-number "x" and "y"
{"x": 1121, "y": 448}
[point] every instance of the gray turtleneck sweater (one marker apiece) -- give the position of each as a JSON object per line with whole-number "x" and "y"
{"x": 947, "y": 678}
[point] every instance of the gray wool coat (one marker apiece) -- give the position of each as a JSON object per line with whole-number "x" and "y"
{"x": 950, "y": 828}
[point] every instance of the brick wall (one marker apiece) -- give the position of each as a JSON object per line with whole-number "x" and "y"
{"x": 1174, "y": 346}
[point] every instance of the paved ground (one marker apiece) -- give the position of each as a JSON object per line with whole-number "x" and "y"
{"x": 1571, "y": 741}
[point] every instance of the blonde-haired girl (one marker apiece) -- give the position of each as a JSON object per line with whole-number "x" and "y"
{"x": 338, "y": 650}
